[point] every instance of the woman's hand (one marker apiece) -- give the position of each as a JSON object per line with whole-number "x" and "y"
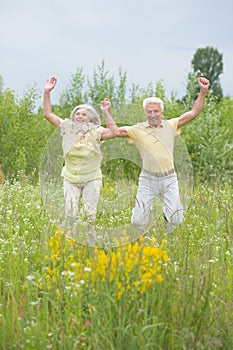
{"x": 50, "y": 84}
{"x": 106, "y": 106}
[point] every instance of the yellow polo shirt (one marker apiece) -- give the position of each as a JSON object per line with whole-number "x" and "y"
{"x": 82, "y": 154}
{"x": 155, "y": 144}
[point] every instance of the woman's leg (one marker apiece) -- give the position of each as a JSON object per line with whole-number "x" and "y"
{"x": 72, "y": 195}
{"x": 90, "y": 196}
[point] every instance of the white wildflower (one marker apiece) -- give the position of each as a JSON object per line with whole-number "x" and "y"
{"x": 87, "y": 269}
{"x": 30, "y": 277}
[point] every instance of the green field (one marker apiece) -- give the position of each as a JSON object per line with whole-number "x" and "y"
{"x": 160, "y": 292}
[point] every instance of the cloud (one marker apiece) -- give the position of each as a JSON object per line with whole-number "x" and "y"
{"x": 150, "y": 40}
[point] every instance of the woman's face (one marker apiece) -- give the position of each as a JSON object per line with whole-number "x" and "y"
{"x": 81, "y": 117}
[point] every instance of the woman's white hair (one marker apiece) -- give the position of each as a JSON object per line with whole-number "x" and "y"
{"x": 92, "y": 114}
{"x": 151, "y": 100}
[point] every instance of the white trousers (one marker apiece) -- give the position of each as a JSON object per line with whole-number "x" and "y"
{"x": 89, "y": 192}
{"x": 151, "y": 187}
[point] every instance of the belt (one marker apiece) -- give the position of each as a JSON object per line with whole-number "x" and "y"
{"x": 166, "y": 173}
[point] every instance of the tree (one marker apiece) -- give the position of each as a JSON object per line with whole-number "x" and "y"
{"x": 22, "y": 134}
{"x": 208, "y": 61}
{"x": 73, "y": 95}
{"x": 1, "y": 84}
{"x": 101, "y": 86}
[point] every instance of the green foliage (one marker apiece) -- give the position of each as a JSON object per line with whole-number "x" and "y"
{"x": 43, "y": 307}
{"x": 209, "y": 140}
{"x": 192, "y": 89}
{"x": 73, "y": 95}
{"x": 138, "y": 94}
{"x": 99, "y": 86}
{"x": 210, "y": 63}
{"x": 23, "y": 134}
{"x": 192, "y": 307}
{"x": 120, "y": 90}
{"x": 1, "y": 84}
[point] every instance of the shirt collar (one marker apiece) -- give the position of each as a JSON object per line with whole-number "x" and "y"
{"x": 147, "y": 125}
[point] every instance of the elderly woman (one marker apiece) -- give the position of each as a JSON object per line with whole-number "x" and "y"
{"x": 81, "y": 138}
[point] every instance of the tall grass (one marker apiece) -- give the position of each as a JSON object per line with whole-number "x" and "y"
{"x": 161, "y": 292}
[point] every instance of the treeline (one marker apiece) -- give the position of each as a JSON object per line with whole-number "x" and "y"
{"x": 24, "y": 132}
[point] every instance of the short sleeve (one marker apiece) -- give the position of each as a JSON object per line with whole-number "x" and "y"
{"x": 132, "y": 133}
{"x": 174, "y": 123}
{"x": 65, "y": 126}
{"x": 97, "y": 132}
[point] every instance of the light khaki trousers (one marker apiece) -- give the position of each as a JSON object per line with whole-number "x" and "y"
{"x": 88, "y": 192}
{"x": 151, "y": 187}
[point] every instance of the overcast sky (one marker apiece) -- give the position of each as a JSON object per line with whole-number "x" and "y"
{"x": 150, "y": 40}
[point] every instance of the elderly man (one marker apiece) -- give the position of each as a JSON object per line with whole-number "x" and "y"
{"x": 154, "y": 140}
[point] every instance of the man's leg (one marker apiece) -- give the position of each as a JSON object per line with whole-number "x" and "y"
{"x": 147, "y": 191}
{"x": 173, "y": 210}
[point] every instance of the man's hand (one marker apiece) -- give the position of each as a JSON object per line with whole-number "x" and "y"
{"x": 50, "y": 84}
{"x": 105, "y": 106}
{"x": 203, "y": 84}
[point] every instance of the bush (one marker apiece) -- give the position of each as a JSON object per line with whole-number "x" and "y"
{"x": 209, "y": 140}
{"x": 23, "y": 133}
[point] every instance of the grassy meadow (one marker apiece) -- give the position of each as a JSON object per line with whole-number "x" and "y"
{"x": 161, "y": 292}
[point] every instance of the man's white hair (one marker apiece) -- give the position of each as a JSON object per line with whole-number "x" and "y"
{"x": 150, "y": 100}
{"x": 92, "y": 114}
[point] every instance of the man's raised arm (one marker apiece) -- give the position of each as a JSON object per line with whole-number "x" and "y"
{"x": 198, "y": 104}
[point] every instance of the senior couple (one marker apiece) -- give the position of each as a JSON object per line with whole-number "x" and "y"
{"x": 81, "y": 139}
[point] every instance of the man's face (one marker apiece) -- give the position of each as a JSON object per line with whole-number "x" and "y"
{"x": 153, "y": 114}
